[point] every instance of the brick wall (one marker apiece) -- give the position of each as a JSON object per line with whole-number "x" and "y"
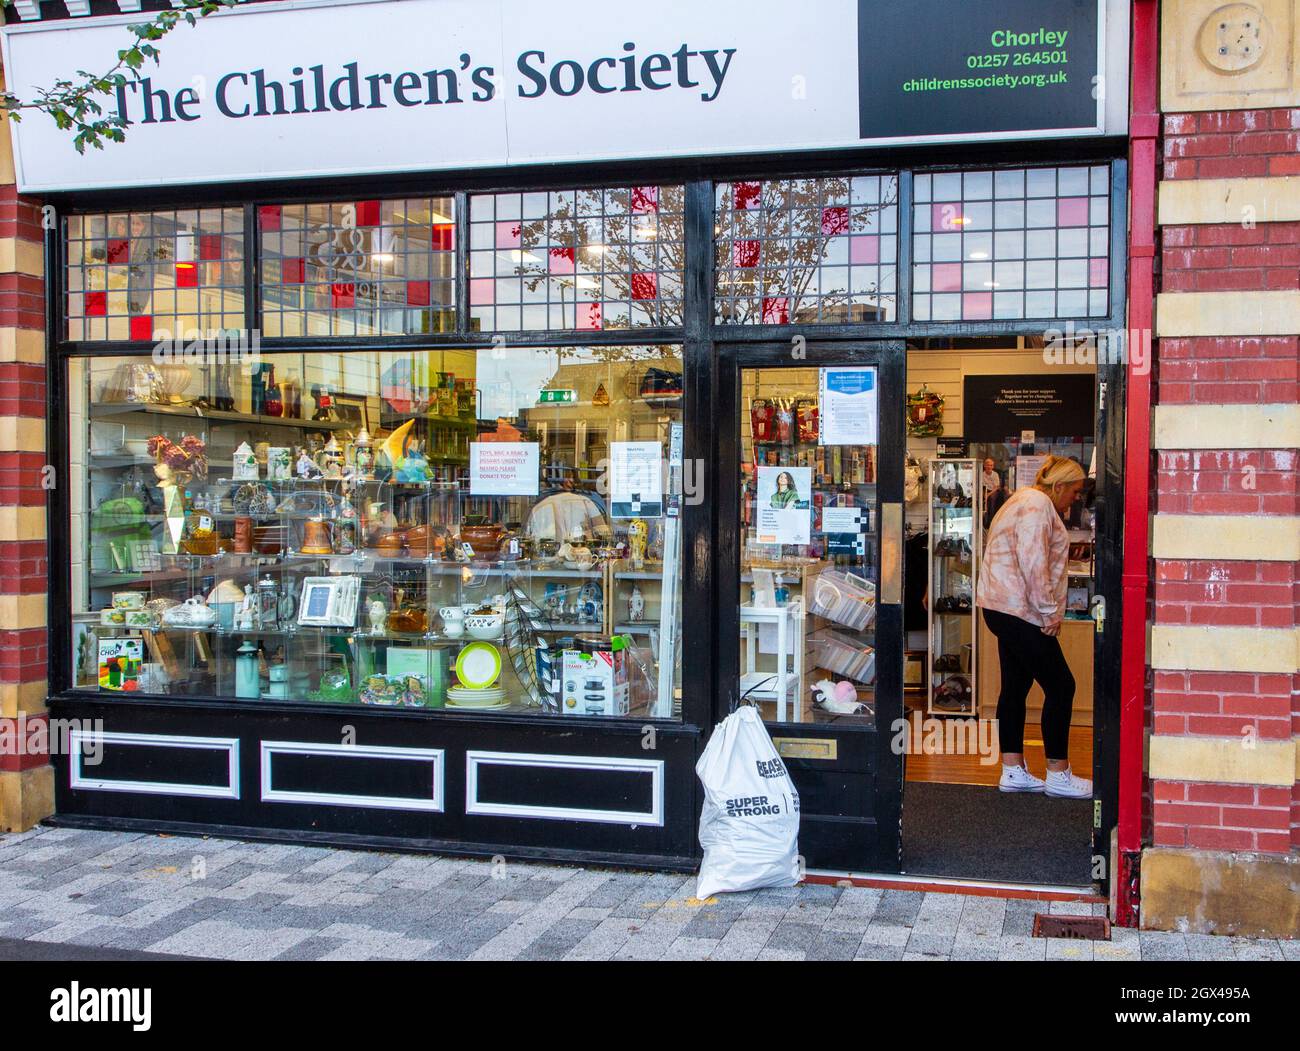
{"x": 1237, "y": 474}
{"x": 26, "y": 782}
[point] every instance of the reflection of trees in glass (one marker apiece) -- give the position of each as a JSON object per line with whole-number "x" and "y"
{"x": 619, "y": 248}
{"x": 783, "y": 251}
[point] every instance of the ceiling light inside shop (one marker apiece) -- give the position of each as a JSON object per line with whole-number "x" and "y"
{"x": 381, "y": 257}
{"x": 979, "y": 255}
{"x": 992, "y": 284}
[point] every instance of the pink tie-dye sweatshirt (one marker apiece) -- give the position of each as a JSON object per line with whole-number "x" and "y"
{"x": 1023, "y": 572}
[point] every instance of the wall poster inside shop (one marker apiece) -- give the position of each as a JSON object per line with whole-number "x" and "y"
{"x": 848, "y": 404}
{"x": 1057, "y": 405}
{"x": 784, "y": 510}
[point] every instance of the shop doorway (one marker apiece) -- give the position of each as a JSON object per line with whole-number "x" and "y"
{"x": 810, "y": 581}
{"x": 982, "y": 417}
{"x": 873, "y": 671}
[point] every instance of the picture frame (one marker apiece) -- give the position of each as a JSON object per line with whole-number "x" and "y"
{"x": 329, "y": 602}
{"x": 352, "y": 410}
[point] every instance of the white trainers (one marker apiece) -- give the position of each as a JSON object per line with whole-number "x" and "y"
{"x": 1018, "y": 779}
{"x": 1064, "y": 785}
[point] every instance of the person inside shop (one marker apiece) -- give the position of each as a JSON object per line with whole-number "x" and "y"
{"x": 995, "y": 492}
{"x": 1022, "y": 591}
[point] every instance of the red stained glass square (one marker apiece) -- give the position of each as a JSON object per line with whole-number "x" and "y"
{"x": 482, "y": 291}
{"x": 292, "y": 271}
{"x": 141, "y": 327}
{"x": 589, "y": 316}
{"x": 835, "y": 221}
{"x": 747, "y": 195}
{"x": 561, "y": 260}
{"x": 945, "y": 277}
{"x": 367, "y": 213}
{"x": 187, "y": 275}
{"x": 776, "y": 311}
{"x": 418, "y": 293}
{"x": 96, "y": 304}
{"x": 1098, "y": 273}
{"x": 645, "y": 286}
{"x": 268, "y": 217}
{"x": 444, "y": 237}
{"x": 209, "y": 246}
{"x": 509, "y": 234}
{"x": 745, "y": 254}
{"x": 645, "y": 199}
{"x": 343, "y": 295}
{"x": 977, "y": 306}
{"x": 119, "y": 250}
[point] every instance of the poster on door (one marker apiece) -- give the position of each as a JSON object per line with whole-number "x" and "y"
{"x": 784, "y": 505}
{"x": 848, "y": 405}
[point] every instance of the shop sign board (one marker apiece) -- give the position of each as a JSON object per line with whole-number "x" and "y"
{"x": 1054, "y": 405}
{"x": 314, "y": 88}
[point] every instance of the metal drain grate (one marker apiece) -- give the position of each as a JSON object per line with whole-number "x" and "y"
{"x": 1092, "y": 928}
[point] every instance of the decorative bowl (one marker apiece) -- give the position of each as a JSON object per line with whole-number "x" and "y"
{"x": 485, "y": 626}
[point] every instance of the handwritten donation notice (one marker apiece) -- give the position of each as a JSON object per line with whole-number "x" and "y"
{"x": 503, "y": 468}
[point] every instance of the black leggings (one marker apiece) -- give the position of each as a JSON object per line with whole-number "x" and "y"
{"x": 1025, "y": 654}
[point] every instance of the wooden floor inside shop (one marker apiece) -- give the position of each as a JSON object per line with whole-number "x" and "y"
{"x": 968, "y": 770}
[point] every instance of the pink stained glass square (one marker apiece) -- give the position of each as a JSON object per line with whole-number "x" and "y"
{"x": 835, "y": 221}
{"x": 945, "y": 277}
{"x": 645, "y": 286}
{"x": 589, "y": 316}
{"x": 561, "y": 260}
{"x": 776, "y": 311}
{"x": 482, "y": 291}
{"x": 645, "y": 200}
{"x": 745, "y": 254}
{"x": 509, "y": 234}
{"x": 1098, "y": 273}
{"x": 864, "y": 249}
{"x": 977, "y": 306}
{"x": 1072, "y": 211}
{"x": 946, "y": 218}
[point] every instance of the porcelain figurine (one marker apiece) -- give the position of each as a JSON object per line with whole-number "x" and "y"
{"x": 378, "y": 616}
{"x": 637, "y": 533}
{"x": 307, "y": 466}
{"x": 636, "y": 606}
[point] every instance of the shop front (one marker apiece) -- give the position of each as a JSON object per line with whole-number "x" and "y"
{"x": 447, "y": 450}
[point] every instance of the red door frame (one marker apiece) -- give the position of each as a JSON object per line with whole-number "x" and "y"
{"x": 1144, "y": 143}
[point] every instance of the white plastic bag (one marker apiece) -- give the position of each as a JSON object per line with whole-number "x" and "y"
{"x": 749, "y": 827}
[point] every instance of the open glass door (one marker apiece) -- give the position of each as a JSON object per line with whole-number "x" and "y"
{"x": 816, "y": 459}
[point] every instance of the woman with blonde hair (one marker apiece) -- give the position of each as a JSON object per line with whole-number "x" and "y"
{"x": 1022, "y": 588}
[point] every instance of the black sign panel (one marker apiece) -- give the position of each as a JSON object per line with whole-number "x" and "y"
{"x": 998, "y": 408}
{"x": 957, "y": 67}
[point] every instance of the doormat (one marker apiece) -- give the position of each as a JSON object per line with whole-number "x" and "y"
{"x": 977, "y": 832}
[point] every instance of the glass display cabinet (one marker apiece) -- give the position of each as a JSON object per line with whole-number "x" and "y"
{"x": 954, "y": 540}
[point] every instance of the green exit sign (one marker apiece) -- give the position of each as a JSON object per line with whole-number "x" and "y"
{"x": 557, "y": 397}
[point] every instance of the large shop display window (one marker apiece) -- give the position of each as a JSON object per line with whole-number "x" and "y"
{"x": 807, "y": 251}
{"x": 1017, "y": 243}
{"x": 150, "y": 275}
{"x": 810, "y": 546}
{"x": 486, "y": 530}
{"x": 590, "y": 259}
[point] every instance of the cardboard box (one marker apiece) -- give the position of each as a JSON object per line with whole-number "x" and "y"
{"x": 595, "y": 682}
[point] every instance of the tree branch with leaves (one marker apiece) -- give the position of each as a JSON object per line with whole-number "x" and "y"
{"x": 75, "y": 104}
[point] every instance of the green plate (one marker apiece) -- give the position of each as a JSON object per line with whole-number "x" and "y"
{"x": 479, "y": 665}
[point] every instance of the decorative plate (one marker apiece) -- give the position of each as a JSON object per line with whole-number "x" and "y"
{"x": 478, "y": 665}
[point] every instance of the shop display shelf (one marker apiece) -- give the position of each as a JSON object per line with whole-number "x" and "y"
{"x": 192, "y": 412}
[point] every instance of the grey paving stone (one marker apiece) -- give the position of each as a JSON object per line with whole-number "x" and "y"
{"x": 834, "y": 946}
{"x": 793, "y": 936}
{"x": 313, "y": 948}
{"x": 1211, "y": 947}
{"x": 929, "y": 944}
{"x": 1075, "y": 949}
{"x": 1159, "y": 945}
{"x": 899, "y": 906}
{"x": 868, "y": 951}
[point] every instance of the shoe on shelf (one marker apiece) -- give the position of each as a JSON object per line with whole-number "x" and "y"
{"x": 1062, "y": 784}
{"x": 1018, "y": 779}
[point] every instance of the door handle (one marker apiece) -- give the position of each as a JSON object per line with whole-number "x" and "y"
{"x": 891, "y": 554}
